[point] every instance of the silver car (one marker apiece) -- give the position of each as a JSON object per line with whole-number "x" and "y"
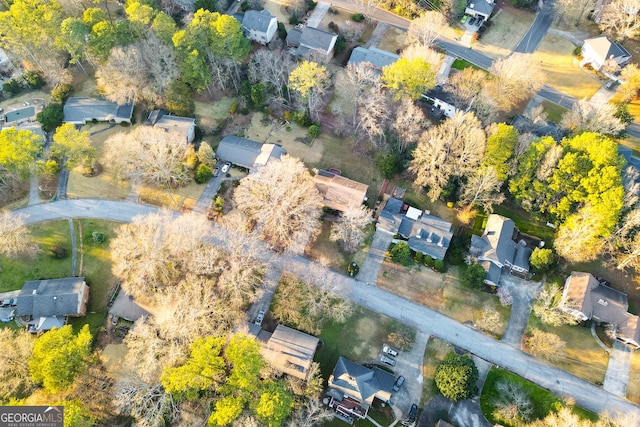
{"x": 260, "y": 318}
{"x": 387, "y": 360}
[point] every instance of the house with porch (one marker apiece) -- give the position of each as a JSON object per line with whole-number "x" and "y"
{"x": 480, "y": 9}
{"x": 184, "y": 127}
{"x": 353, "y": 387}
{"x": 46, "y": 304}
{"x": 79, "y": 111}
{"x": 423, "y": 232}
{"x": 497, "y": 250}
{"x": 340, "y": 193}
{"x": 587, "y": 298}
{"x": 310, "y": 43}
{"x": 246, "y": 153}
{"x": 598, "y": 50}
{"x": 288, "y": 350}
{"x": 259, "y": 26}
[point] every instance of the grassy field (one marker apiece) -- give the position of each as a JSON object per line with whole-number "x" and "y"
{"x": 437, "y": 350}
{"x": 181, "y": 198}
{"x": 525, "y": 223}
{"x": 633, "y": 386}
{"x": 210, "y": 115}
{"x": 554, "y": 112}
{"x": 461, "y": 64}
{"x": 543, "y": 401}
{"x": 583, "y": 357}
{"x": 393, "y": 39}
{"x": 106, "y": 184}
{"x": 554, "y": 58}
{"x": 509, "y": 26}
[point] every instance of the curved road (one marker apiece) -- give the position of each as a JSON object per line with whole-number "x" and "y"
{"x": 422, "y": 318}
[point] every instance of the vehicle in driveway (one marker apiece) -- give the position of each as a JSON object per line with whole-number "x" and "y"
{"x": 225, "y": 167}
{"x": 413, "y": 413}
{"x": 390, "y": 351}
{"x": 398, "y": 383}
{"x": 387, "y": 360}
{"x": 260, "y": 318}
{"x": 471, "y": 21}
{"x": 216, "y": 172}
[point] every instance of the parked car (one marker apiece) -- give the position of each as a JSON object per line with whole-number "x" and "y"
{"x": 225, "y": 167}
{"x": 260, "y": 318}
{"x": 413, "y": 412}
{"x": 390, "y": 351}
{"x": 609, "y": 85}
{"x": 216, "y": 171}
{"x": 471, "y": 21}
{"x": 464, "y": 19}
{"x": 398, "y": 383}
{"x": 387, "y": 360}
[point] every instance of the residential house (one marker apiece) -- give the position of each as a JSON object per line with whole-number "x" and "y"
{"x": 247, "y": 153}
{"x": 259, "y": 26}
{"x": 587, "y": 298}
{"x": 79, "y": 111}
{"x": 373, "y": 57}
{"x": 496, "y": 249}
{"x": 185, "y": 127}
{"x": 442, "y": 102}
{"x": 6, "y": 65}
{"x": 424, "y": 233}
{"x": 480, "y": 8}
{"x": 339, "y": 193}
{"x": 307, "y": 42}
{"x": 125, "y": 307}
{"x": 598, "y": 50}
{"x": 353, "y": 388}
{"x": 289, "y": 351}
{"x": 46, "y": 304}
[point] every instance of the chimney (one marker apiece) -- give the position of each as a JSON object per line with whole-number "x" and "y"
{"x": 34, "y": 292}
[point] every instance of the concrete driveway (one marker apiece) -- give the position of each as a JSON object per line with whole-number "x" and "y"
{"x": 523, "y": 293}
{"x": 409, "y": 365}
{"x": 371, "y": 267}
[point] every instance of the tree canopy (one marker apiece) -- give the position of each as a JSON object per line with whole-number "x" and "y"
{"x": 19, "y": 150}
{"x": 456, "y": 377}
{"x": 408, "y": 77}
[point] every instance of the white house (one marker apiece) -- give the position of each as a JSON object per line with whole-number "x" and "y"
{"x": 259, "y": 26}
{"x": 480, "y": 8}
{"x": 598, "y": 50}
{"x": 441, "y": 100}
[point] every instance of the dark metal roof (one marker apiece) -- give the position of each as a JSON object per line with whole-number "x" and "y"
{"x": 53, "y": 297}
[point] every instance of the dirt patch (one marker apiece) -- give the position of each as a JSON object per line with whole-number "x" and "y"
{"x": 278, "y": 9}
{"x": 508, "y": 28}
{"x": 113, "y": 356}
{"x": 555, "y": 60}
{"x": 15, "y": 195}
{"x": 393, "y": 40}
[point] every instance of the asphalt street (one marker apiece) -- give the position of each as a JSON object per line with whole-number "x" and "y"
{"x": 422, "y": 318}
{"x": 537, "y": 30}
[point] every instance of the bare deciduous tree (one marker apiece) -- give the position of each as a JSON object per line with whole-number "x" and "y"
{"x": 621, "y": 19}
{"x": 409, "y": 124}
{"x": 151, "y": 155}
{"x": 15, "y": 378}
{"x": 310, "y": 414}
{"x": 630, "y": 75}
{"x": 123, "y": 77}
{"x": 426, "y": 29}
{"x": 271, "y": 68}
{"x": 149, "y": 404}
{"x": 549, "y": 162}
{"x": 547, "y": 307}
{"x": 580, "y": 237}
{"x": 15, "y": 238}
{"x": 589, "y": 117}
{"x": 464, "y": 86}
{"x": 161, "y": 62}
{"x": 282, "y": 199}
{"x": 504, "y": 294}
{"x": 513, "y": 402}
{"x": 353, "y": 86}
{"x": 514, "y": 81}
{"x": 483, "y": 189}
{"x": 489, "y": 320}
{"x": 546, "y": 345}
{"x": 349, "y": 228}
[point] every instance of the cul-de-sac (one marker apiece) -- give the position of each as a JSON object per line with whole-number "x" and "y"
{"x": 248, "y": 213}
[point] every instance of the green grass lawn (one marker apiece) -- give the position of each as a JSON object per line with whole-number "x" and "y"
{"x": 525, "y": 222}
{"x": 437, "y": 350}
{"x": 554, "y": 111}
{"x": 461, "y": 64}
{"x": 543, "y": 401}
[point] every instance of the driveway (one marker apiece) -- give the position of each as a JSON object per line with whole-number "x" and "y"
{"x": 523, "y": 293}
{"x": 209, "y": 193}
{"x": 371, "y": 266}
{"x": 409, "y": 365}
{"x": 617, "y": 375}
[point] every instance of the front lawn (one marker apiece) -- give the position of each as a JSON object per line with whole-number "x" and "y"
{"x": 554, "y": 112}
{"x": 509, "y": 26}
{"x": 181, "y": 198}
{"x": 331, "y": 254}
{"x": 437, "y": 350}
{"x": 633, "y": 386}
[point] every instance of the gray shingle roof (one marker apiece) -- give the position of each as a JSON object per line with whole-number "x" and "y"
{"x": 431, "y": 235}
{"x": 378, "y": 58}
{"x": 605, "y": 48}
{"x": 314, "y": 38}
{"x": 496, "y": 244}
{"x": 53, "y": 297}
{"x": 82, "y": 110}
{"x": 290, "y": 351}
{"x": 523, "y": 254}
{"x": 361, "y": 383}
{"x": 481, "y": 6}
{"x": 247, "y": 153}
{"x": 257, "y": 20}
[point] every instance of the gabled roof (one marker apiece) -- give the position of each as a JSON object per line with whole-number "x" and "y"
{"x": 577, "y": 291}
{"x": 481, "y": 6}
{"x": 79, "y": 110}
{"x": 314, "y": 38}
{"x": 389, "y": 221}
{"x": 439, "y": 93}
{"x": 605, "y": 48}
{"x": 339, "y": 193}
{"x": 48, "y": 323}
{"x": 182, "y": 126}
{"x": 247, "y": 153}
{"x": 496, "y": 243}
{"x": 493, "y": 273}
{"x": 431, "y": 235}
{"x": 361, "y": 383}
{"x": 523, "y": 254}
{"x": 257, "y": 20}
{"x": 290, "y": 351}
{"x": 378, "y": 58}
{"x": 53, "y": 297}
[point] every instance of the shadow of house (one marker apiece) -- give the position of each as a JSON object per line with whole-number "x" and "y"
{"x": 288, "y": 350}
{"x": 79, "y": 111}
{"x": 126, "y": 308}
{"x": 423, "y": 232}
{"x": 496, "y": 250}
{"x": 46, "y": 304}
{"x": 185, "y": 127}
{"x": 339, "y": 193}
{"x": 353, "y": 387}
{"x": 246, "y": 153}
{"x": 587, "y": 298}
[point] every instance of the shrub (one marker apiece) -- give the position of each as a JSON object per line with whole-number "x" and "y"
{"x": 334, "y": 27}
{"x": 12, "y": 87}
{"x": 418, "y": 258}
{"x": 244, "y": 6}
{"x": 98, "y": 237}
{"x": 203, "y": 173}
{"x": 61, "y": 92}
{"x": 59, "y": 251}
{"x": 473, "y": 276}
{"x": 293, "y": 20}
{"x": 438, "y": 265}
{"x": 455, "y": 255}
{"x": 427, "y": 260}
{"x": 542, "y": 259}
{"x": 456, "y": 377}
{"x": 353, "y": 269}
{"x": 282, "y": 31}
{"x": 357, "y": 17}
{"x": 341, "y": 44}
{"x": 50, "y": 117}
{"x": 401, "y": 253}
{"x": 50, "y": 168}
{"x": 390, "y": 164}
{"x": 314, "y": 131}
{"x": 450, "y": 205}
{"x": 302, "y": 119}
{"x": 33, "y": 79}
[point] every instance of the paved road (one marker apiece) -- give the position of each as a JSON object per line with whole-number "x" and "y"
{"x": 422, "y": 318}
{"x": 537, "y": 30}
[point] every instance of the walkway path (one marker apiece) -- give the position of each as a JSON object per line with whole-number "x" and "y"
{"x": 377, "y": 35}
{"x": 617, "y": 376}
{"x": 318, "y": 14}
